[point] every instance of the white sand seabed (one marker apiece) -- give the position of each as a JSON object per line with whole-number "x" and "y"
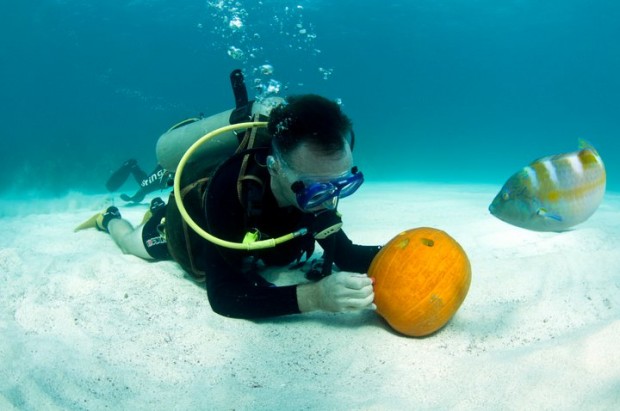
{"x": 85, "y": 327}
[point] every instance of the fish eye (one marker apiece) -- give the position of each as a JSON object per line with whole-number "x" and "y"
{"x": 505, "y": 196}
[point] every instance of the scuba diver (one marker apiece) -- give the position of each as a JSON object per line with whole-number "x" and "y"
{"x": 156, "y": 180}
{"x": 277, "y": 185}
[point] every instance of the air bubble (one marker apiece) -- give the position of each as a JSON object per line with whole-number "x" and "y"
{"x": 266, "y": 69}
{"x": 235, "y": 53}
{"x": 235, "y": 23}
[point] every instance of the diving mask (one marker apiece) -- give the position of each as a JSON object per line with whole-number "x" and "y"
{"x": 312, "y": 194}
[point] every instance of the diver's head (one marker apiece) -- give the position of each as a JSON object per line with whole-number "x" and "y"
{"x": 309, "y": 119}
{"x": 311, "y": 164}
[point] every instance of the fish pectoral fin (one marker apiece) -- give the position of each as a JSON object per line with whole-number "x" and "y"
{"x": 545, "y": 214}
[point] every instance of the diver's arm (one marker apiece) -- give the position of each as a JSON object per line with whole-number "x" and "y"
{"x": 342, "y": 291}
{"x": 232, "y": 294}
{"x": 352, "y": 257}
{"x": 157, "y": 180}
{"x": 349, "y": 289}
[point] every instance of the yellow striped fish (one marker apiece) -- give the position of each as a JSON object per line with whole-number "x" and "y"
{"x": 553, "y": 193}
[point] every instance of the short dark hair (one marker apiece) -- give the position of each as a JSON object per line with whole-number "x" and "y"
{"x": 309, "y": 119}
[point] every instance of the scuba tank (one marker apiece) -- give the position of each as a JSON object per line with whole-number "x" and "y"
{"x": 172, "y": 145}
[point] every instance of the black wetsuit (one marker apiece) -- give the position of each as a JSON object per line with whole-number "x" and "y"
{"x": 152, "y": 236}
{"x": 234, "y": 287}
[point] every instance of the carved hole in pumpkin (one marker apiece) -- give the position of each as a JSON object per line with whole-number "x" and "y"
{"x": 427, "y": 242}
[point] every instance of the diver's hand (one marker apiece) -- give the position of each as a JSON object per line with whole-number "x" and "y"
{"x": 342, "y": 291}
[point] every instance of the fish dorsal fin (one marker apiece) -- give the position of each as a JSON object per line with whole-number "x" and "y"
{"x": 586, "y": 145}
{"x": 545, "y": 214}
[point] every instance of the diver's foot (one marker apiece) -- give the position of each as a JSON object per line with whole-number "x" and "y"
{"x": 138, "y": 174}
{"x": 117, "y": 179}
{"x": 101, "y": 220}
{"x": 156, "y": 208}
{"x": 110, "y": 214}
{"x": 136, "y": 198}
{"x": 130, "y": 163}
{"x": 156, "y": 204}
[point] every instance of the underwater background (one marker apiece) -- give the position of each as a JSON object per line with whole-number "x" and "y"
{"x": 439, "y": 91}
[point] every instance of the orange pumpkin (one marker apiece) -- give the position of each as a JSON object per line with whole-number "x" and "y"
{"x": 421, "y": 278}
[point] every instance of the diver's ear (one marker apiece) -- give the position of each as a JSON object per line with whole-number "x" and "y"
{"x": 271, "y": 165}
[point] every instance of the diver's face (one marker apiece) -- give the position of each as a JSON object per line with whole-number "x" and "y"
{"x": 308, "y": 165}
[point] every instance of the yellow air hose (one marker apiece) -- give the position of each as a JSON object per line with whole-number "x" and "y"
{"x": 247, "y": 245}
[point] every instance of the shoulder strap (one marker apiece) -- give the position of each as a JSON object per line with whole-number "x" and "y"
{"x": 251, "y": 181}
{"x": 250, "y": 187}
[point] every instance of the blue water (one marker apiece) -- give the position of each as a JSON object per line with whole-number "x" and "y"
{"x": 439, "y": 91}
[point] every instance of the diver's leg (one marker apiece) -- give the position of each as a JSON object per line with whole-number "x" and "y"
{"x": 128, "y": 238}
{"x": 157, "y": 180}
{"x": 118, "y": 178}
{"x": 138, "y": 174}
